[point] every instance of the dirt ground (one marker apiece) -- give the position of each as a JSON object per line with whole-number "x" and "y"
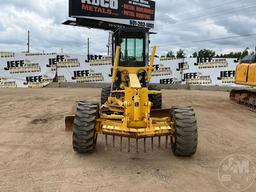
{"x": 36, "y": 153}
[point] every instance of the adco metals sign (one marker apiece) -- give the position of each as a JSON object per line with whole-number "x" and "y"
{"x": 140, "y": 13}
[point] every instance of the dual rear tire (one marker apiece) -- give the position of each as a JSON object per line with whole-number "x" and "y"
{"x": 156, "y": 99}
{"x": 105, "y": 93}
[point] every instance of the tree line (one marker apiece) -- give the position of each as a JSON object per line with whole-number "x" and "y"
{"x": 208, "y": 53}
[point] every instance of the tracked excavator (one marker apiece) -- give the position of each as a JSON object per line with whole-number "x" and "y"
{"x": 246, "y": 75}
{"x": 131, "y": 108}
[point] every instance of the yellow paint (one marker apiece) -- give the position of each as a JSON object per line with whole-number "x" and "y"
{"x": 130, "y": 108}
{"x": 151, "y": 63}
{"x": 134, "y": 81}
{"x": 115, "y": 67}
{"x": 246, "y": 74}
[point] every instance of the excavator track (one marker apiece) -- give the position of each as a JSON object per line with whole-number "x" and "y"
{"x": 245, "y": 97}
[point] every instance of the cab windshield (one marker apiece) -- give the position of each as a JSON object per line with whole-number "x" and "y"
{"x": 132, "y": 52}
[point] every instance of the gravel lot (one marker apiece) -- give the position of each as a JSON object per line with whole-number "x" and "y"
{"x": 36, "y": 153}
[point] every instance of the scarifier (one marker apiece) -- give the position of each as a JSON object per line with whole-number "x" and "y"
{"x": 131, "y": 108}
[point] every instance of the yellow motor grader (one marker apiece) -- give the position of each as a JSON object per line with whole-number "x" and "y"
{"x": 131, "y": 108}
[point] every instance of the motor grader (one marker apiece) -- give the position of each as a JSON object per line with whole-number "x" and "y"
{"x": 131, "y": 108}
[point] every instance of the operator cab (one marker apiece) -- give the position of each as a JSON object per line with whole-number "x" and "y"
{"x": 134, "y": 43}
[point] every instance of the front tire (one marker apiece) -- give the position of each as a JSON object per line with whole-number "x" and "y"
{"x": 185, "y": 139}
{"x": 84, "y": 132}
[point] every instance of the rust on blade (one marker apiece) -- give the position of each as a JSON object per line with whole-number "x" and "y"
{"x": 69, "y": 123}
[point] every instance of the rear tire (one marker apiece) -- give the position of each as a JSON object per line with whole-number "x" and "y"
{"x": 84, "y": 132}
{"x": 185, "y": 139}
{"x": 156, "y": 99}
{"x": 105, "y": 93}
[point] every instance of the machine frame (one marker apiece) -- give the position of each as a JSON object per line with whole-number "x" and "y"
{"x": 131, "y": 107}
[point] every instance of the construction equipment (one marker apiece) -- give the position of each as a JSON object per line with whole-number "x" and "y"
{"x": 130, "y": 108}
{"x": 245, "y": 75}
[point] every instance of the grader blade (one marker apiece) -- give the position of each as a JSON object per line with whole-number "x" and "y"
{"x": 69, "y": 123}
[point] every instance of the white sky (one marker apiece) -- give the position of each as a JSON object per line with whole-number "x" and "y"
{"x": 177, "y": 24}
